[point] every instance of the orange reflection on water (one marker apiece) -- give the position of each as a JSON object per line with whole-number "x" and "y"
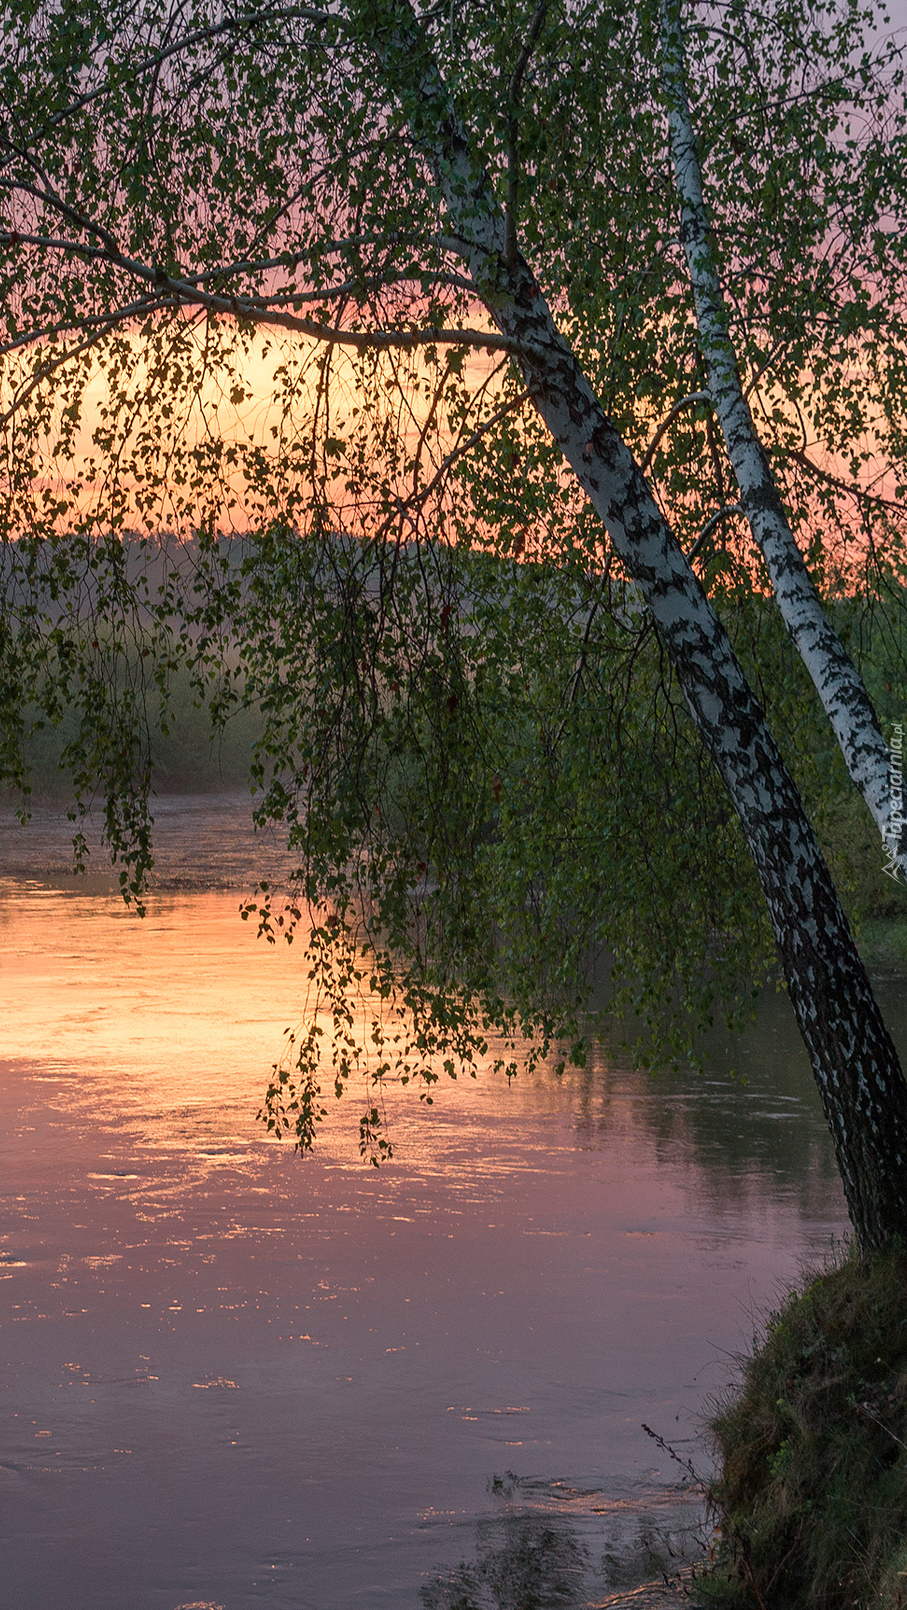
{"x": 184, "y": 1006}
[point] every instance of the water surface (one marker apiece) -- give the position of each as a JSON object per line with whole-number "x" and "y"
{"x": 231, "y": 1378}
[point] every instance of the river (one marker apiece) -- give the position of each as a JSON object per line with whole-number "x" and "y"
{"x": 234, "y": 1378}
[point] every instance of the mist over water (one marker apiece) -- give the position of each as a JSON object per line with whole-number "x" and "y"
{"x": 234, "y": 1378}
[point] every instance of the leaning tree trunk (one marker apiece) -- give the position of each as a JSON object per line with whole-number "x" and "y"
{"x": 853, "y": 1058}
{"x": 837, "y": 681}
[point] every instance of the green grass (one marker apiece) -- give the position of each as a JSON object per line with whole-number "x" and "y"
{"x": 875, "y": 903}
{"x": 812, "y": 1493}
{"x": 883, "y": 944}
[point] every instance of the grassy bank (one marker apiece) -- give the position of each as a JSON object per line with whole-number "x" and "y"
{"x": 875, "y": 902}
{"x": 812, "y": 1495}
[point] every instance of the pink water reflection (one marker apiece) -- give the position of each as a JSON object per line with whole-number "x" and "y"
{"x": 231, "y": 1378}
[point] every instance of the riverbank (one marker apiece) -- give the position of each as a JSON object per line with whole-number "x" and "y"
{"x": 812, "y": 1491}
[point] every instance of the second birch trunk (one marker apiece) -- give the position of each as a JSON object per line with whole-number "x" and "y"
{"x": 837, "y": 681}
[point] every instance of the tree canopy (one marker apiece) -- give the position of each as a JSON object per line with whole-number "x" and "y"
{"x": 449, "y": 248}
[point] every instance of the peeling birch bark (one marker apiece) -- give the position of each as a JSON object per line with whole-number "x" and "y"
{"x": 837, "y": 681}
{"x": 854, "y": 1061}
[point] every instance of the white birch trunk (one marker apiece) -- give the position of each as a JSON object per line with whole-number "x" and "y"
{"x": 854, "y": 1062}
{"x": 837, "y": 681}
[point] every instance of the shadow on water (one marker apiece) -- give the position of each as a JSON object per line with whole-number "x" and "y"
{"x": 531, "y": 1558}
{"x": 752, "y": 1114}
{"x": 521, "y": 1563}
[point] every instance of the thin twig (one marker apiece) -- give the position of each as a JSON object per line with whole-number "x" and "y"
{"x": 513, "y": 168}
{"x": 402, "y": 506}
{"x": 232, "y": 25}
{"x": 846, "y": 486}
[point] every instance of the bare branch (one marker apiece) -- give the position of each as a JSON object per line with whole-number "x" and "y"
{"x": 685, "y": 402}
{"x": 92, "y": 321}
{"x": 454, "y": 282}
{"x": 712, "y": 525}
{"x": 841, "y": 485}
{"x": 54, "y": 243}
{"x": 51, "y": 199}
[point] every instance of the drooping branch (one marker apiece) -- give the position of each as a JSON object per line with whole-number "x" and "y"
{"x": 859, "y": 493}
{"x": 54, "y": 364}
{"x": 171, "y": 294}
{"x": 419, "y": 497}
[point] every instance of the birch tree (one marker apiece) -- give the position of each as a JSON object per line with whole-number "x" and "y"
{"x": 853, "y": 1059}
{"x": 176, "y": 184}
{"x": 839, "y": 685}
